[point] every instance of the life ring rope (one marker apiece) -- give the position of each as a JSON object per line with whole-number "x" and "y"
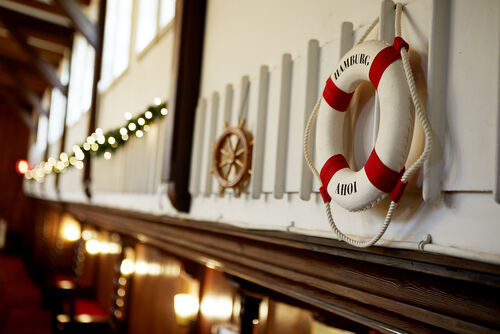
{"x": 399, "y": 182}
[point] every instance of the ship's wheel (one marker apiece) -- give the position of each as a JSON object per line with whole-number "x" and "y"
{"x": 232, "y": 158}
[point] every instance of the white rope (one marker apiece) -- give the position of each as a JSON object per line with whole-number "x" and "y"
{"x": 368, "y": 31}
{"x": 408, "y": 173}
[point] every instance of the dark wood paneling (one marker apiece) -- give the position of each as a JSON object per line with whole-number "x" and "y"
{"x": 186, "y": 73}
{"x": 381, "y": 288}
{"x": 101, "y": 22}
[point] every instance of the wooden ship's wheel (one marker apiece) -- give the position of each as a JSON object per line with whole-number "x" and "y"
{"x": 232, "y": 158}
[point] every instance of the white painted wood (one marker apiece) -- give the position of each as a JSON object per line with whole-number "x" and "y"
{"x": 260, "y": 134}
{"x": 496, "y": 176}
{"x": 272, "y": 123}
{"x": 294, "y": 156}
{"x": 436, "y": 103}
{"x": 197, "y": 152}
{"x": 210, "y": 142}
{"x": 283, "y": 122}
{"x": 386, "y": 33}
{"x": 328, "y": 61}
{"x": 346, "y": 43}
{"x": 244, "y": 100}
{"x": 228, "y": 104}
{"x": 310, "y": 101}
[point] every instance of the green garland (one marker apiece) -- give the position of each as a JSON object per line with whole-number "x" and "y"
{"x": 99, "y": 144}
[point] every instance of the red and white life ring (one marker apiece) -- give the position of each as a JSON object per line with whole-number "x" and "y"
{"x": 358, "y": 190}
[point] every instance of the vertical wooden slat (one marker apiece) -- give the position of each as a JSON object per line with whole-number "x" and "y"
{"x": 228, "y": 104}
{"x": 346, "y": 43}
{"x": 284, "y": 115}
{"x": 196, "y": 156}
{"x": 244, "y": 98}
{"x": 436, "y": 104}
{"x": 386, "y": 33}
{"x": 311, "y": 97}
{"x": 260, "y": 133}
{"x": 87, "y": 172}
{"x": 209, "y": 144}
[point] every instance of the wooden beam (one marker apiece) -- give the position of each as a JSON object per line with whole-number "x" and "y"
{"x": 23, "y": 114}
{"x": 35, "y": 27}
{"x": 80, "y": 21}
{"x": 188, "y": 50}
{"x": 25, "y": 91}
{"x": 87, "y": 172}
{"x": 48, "y": 72}
{"x": 374, "y": 287}
{"x": 42, "y": 6}
{"x": 11, "y": 50}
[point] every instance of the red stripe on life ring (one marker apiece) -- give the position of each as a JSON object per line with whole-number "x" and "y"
{"x": 381, "y": 176}
{"x": 331, "y": 166}
{"x": 381, "y": 61}
{"x": 336, "y": 97}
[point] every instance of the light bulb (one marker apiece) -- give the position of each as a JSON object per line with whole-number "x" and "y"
{"x": 132, "y": 126}
{"x": 157, "y": 101}
{"x": 128, "y": 116}
{"x": 164, "y": 111}
{"x": 148, "y": 114}
{"x": 139, "y": 133}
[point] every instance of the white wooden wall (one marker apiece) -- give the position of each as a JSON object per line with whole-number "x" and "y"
{"x": 282, "y": 193}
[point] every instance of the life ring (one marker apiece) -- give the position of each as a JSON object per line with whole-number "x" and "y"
{"x": 381, "y": 64}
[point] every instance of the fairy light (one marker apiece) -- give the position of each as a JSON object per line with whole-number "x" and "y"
{"x": 96, "y": 143}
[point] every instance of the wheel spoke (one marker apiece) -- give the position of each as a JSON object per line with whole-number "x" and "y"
{"x": 238, "y": 162}
{"x": 223, "y": 163}
{"x": 228, "y": 171}
{"x": 240, "y": 152}
{"x": 223, "y": 151}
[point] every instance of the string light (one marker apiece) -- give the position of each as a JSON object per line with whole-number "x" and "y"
{"x": 98, "y": 143}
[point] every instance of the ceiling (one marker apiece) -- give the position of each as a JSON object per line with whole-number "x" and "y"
{"x": 34, "y": 37}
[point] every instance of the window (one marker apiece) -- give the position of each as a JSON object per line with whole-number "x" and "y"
{"x": 41, "y": 134}
{"x": 80, "y": 87}
{"x": 153, "y": 14}
{"x": 116, "y": 41}
{"x": 58, "y": 107}
{"x": 146, "y": 24}
{"x": 167, "y": 12}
